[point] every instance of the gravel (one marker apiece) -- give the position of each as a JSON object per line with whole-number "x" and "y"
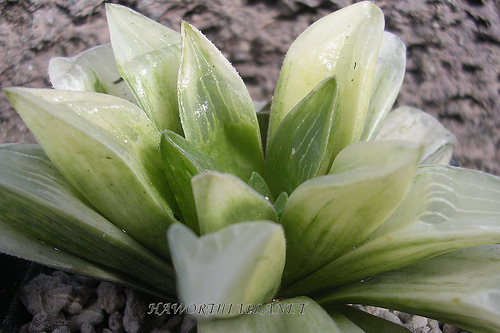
{"x": 62, "y": 303}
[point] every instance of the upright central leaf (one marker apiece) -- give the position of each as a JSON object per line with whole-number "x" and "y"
{"x": 217, "y": 113}
{"x": 299, "y": 151}
{"x": 344, "y": 44}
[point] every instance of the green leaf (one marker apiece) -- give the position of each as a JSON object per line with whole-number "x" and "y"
{"x": 223, "y": 199}
{"x": 259, "y": 184}
{"x": 345, "y": 44}
{"x": 148, "y": 56}
{"x": 109, "y": 151}
{"x": 368, "y": 322}
{"x": 329, "y": 215}
{"x": 389, "y": 74}
{"x": 241, "y": 263}
{"x": 36, "y": 202}
{"x": 412, "y": 125}
{"x": 446, "y": 209}
{"x": 280, "y": 204}
{"x": 300, "y": 149}
{"x": 263, "y": 119}
{"x": 29, "y": 247}
{"x": 460, "y": 288}
{"x": 295, "y": 315}
{"x": 92, "y": 70}
{"x": 182, "y": 161}
{"x": 216, "y": 110}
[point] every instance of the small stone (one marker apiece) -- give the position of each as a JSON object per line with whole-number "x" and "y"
{"x": 92, "y": 315}
{"x": 405, "y": 317}
{"x": 110, "y": 297}
{"x": 87, "y": 328}
{"x": 62, "y": 329}
{"x": 135, "y": 311}
{"x": 417, "y": 322}
{"x": 45, "y": 322}
{"x": 388, "y": 315}
{"x": 434, "y": 324}
{"x": 115, "y": 322}
{"x": 46, "y": 294}
{"x": 447, "y": 328}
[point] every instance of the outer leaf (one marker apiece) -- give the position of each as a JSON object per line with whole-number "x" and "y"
{"x": 389, "y": 74}
{"x": 223, "y": 199}
{"x": 241, "y": 263}
{"x": 300, "y": 150}
{"x": 413, "y": 125}
{"x": 326, "y": 216}
{"x": 216, "y": 110}
{"x": 368, "y": 322}
{"x": 92, "y": 70}
{"x": 26, "y": 246}
{"x": 460, "y": 288}
{"x": 148, "y": 57}
{"x": 446, "y": 209}
{"x": 345, "y": 44}
{"x": 108, "y": 150}
{"x": 295, "y": 315}
{"x": 36, "y": 200}
{"x": 182, "y": 161}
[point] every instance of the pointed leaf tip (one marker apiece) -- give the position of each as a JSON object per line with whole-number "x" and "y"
{"x": 216, "y": 110}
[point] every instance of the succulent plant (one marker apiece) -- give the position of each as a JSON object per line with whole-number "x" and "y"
{"x": 155, "y": 171}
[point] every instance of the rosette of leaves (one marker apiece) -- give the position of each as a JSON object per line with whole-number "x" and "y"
{"x": 155, "y": 171}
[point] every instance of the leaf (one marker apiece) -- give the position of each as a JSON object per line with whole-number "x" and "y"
{"x": 216, "y": 110}
{"x": 263, "y": 119}
{"x": 241, "y": 263}
{"x": 300, "y": 149}
{"x": 148, "y": 56}
{"x": 329, "y": 215}
{"x": 446, "y": 209}
{"x": 26, "y": 246}
{"x": 389, "y": 74}
{"x": 413, "y": 125}
{"x": 223, "y": 199}
{"x": 37, "y": 203}
{"x": 182, "y": 161}
{"x": 280, "y": 204}
{"x": 345, "y": 44}
{"x": 259, "y": 184}
{"x": 460, "y": 288}
{"x": 108, "y": 150}
{"x": 368, "y": 322}
{"x": 295, "y": 315}
{"x": 92, "y": 70}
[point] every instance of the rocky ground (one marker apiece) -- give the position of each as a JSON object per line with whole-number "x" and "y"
{"x": 453, "y": 52}
{"x": 64, "y": 303}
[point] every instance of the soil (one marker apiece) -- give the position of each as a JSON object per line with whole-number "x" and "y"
{"x": 453, "y": 50}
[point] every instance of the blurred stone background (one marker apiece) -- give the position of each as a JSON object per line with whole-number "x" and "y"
{"x": 453, "y": 50}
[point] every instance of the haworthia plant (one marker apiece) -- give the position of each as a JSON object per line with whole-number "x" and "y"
{"x": 153, "y": 170}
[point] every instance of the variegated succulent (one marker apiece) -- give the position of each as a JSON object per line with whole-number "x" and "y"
{"x": 155, "y": 171}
